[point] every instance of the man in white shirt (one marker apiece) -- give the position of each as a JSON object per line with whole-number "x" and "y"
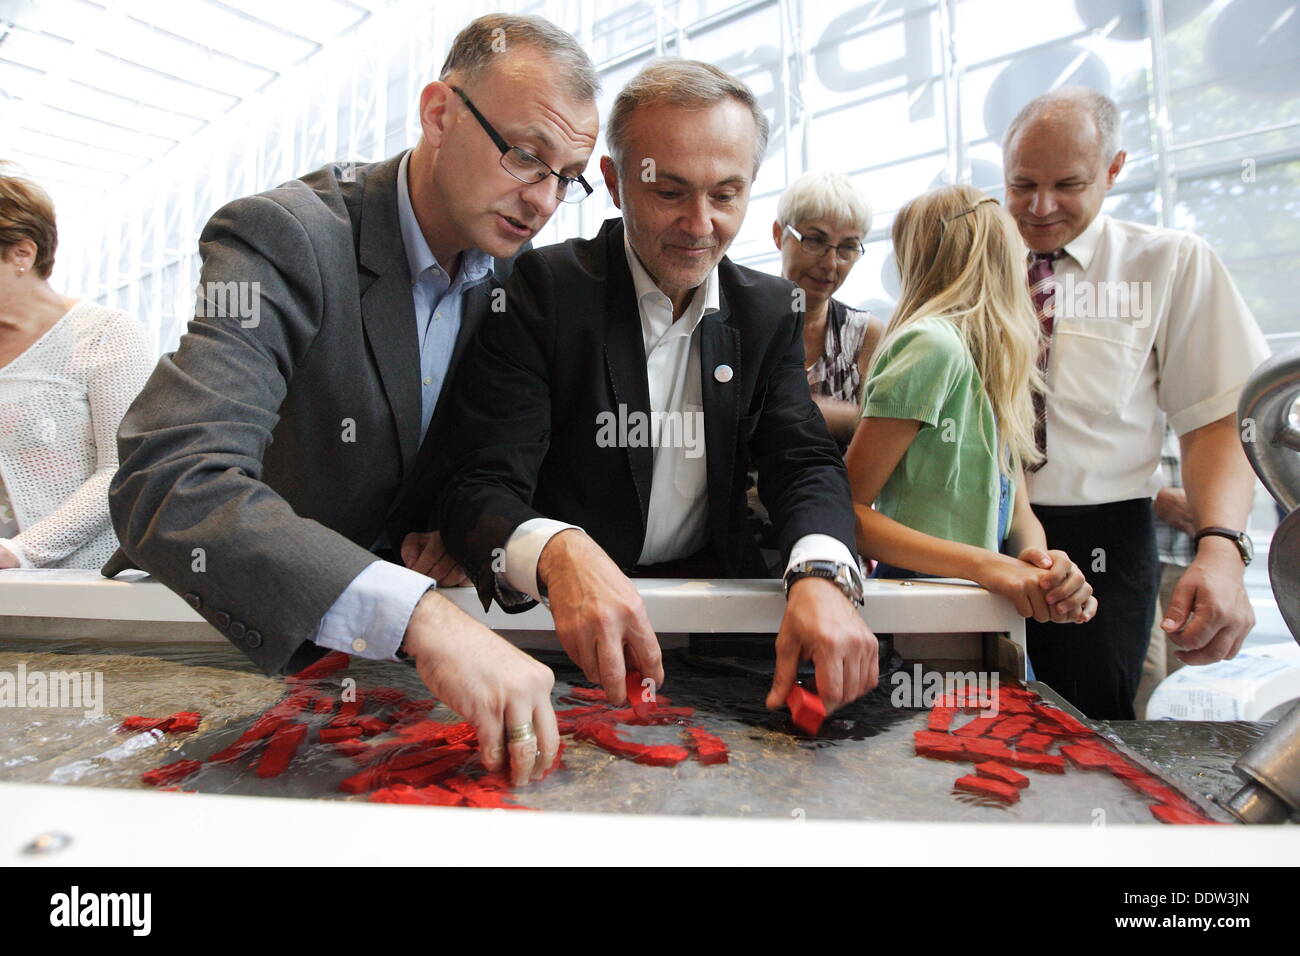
{"x": 609, "y": 418}
{"x": 1142, "y": 325}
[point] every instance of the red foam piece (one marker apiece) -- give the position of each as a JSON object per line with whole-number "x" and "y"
{"x": 434, "y": 731}
{"x": 1011, "y": 692}
{"x": 636, "y": 694}
{"x": 978, "y": 727}
{"x": 350, "y": 747}
{"x": 170, "y": 773}
{"x": 331, "y": 663}
{"x": 1092, "y": 756}
{"x": 982, "y": 749}
{"x": 987, "y": 787}
{"x": 1014, "y": 707}
{"x": 942, "y": 751}
{"x": 997, "y": 771}
{"x": 1065, "y": 723}
{"x": 1047, "y": 763}
{"x": 1011, "y": 727}
{"x": 349, "y": 711}
{"x": 941, "y": 718}
{"x": 1034, "y": 743}
{"x": 264, "y": 726}
{"x": 410, "y": 707}
{"x": 332, "y": 735}
{"x": 135, "y": 723}
{"x": 708, "y": 748}
{"x": 431, "y": 796}
{"x": 387, "y": 696}
{"x": 368, "y": 779}
{"x": 324, "y": 704}
{"x": 178, "y": 723}
{"x": 662, "y": 755}
{"x": 938, "y": 746}
{"x": 280, "y": 749}
{"x": 371, "y": 725}
{"x": 806, "y": 709}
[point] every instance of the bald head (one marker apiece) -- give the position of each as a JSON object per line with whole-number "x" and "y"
{"x": 1090, "y": 115}
{"x": 1060, "y": 158}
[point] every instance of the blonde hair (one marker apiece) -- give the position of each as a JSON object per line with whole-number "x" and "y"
{"x": 960, "y": 256}
{"x": 26, "y": 212}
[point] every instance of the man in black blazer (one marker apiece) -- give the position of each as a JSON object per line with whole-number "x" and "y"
{"x": 288, "y": 438}
{"x": 607, "y": 422}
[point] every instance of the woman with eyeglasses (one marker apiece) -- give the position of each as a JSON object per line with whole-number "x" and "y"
{"x": 948, "y": 420}
{"x": 821, "y": 223}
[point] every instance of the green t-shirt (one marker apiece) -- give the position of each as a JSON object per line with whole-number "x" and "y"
{"x": 947, "y": 483}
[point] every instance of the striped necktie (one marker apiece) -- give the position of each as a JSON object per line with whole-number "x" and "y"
{"x": 1042, "y": 289}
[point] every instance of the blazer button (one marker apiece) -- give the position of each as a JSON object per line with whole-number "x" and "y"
{"x": 193, "y": 600}
{"x": 723, "y": 374}
{"x": 237, "y": 628}
{"x": 222, "y": 619}
{"x": 254, "y": 639}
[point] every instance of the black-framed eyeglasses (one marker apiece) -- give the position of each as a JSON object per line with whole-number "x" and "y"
{"x": 523, "y": 165}
{"x": 848, "y": 252}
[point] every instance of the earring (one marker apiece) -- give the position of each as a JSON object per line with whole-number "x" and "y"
{"x": 22, "y": 269}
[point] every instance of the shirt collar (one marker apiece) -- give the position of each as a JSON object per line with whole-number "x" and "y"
{"x": 706, "y": 292}
{"x": 1083, "y": 247}
{"x": 474, "y": 263}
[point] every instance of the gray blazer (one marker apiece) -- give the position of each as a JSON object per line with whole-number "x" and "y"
{"x": 271, "y": 450}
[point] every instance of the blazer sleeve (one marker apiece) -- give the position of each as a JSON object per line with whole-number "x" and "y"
{"x": 188, "y": 502}
{"x": 801, "y": 476}
{"x": 501, "y": 405}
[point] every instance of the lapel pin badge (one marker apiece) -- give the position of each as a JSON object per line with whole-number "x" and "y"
{"x": 723, "y": 374}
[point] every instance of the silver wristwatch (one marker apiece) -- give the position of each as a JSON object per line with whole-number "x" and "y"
{"x": 846, "y": 577}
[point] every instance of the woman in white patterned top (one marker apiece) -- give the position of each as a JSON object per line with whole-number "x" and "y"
{"x": 68, "y": 371}
{"x": 821, "y": 222}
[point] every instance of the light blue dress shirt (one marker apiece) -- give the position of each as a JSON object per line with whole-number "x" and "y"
{"x": 369, "y": 618}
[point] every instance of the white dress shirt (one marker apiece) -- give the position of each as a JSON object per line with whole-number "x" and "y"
{"x": 678, "y": 513}
{"x": 1148, "y": 325}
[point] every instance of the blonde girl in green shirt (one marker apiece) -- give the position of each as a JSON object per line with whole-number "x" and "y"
{"x": 947, "y": 418}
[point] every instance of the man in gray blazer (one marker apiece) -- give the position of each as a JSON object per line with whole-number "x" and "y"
{"x": 290, "y": 436}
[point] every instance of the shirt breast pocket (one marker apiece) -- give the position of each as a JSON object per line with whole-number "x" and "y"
{"x": 1095, "y": 366}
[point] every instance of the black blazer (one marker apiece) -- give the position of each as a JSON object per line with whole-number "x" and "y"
{"x": 285, "y": 448}
{"x": 569, "y": 347}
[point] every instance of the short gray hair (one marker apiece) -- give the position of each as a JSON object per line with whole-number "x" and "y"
{"x": 1099, "y": 107}
{"x": 474, "y": 47}
{"x": 680, "y": 82}
{"x": 824, "y": 195}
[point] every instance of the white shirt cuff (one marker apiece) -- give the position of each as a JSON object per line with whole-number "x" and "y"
{"x": 821, "y": 547}
{"x": 524, "y": 550}
{"x": 369, "y": 618}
